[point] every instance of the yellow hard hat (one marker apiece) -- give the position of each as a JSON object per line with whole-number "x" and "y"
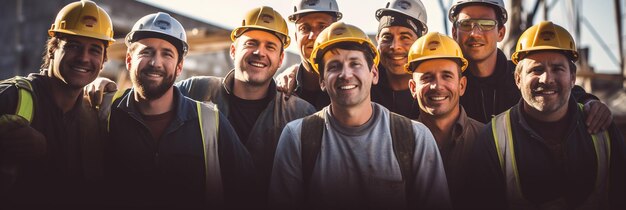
{"x": 340, "y": 32}
{"x": 264, "y": 18}
{"x": 431, "y": 46}
{"x": 545, "y": 36}
{"x": 83, "y": 18}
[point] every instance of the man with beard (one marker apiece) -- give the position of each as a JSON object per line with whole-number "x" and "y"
{"x": 355, "y": 154}
{"x": 310, "y": 18}
{"x": 437, "y": 63}
{"x": 50, "y": 147}
{"x": 247, "y": 94}
{"x": 401, "y": 22}
{"x": 167, "y": 150}
{"x": 538, "y": 154}
{"x": 478, "y": 25}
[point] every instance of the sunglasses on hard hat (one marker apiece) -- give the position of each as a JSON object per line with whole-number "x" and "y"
{"x": 469, "y": 24}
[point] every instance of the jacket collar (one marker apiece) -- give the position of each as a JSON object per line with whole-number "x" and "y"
{"x": 184, "y": 107}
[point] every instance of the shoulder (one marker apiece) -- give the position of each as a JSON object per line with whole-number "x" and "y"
{"x": 295, "y": 103}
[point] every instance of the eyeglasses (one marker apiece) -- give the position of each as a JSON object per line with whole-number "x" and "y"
{"x": 469, "y": 24}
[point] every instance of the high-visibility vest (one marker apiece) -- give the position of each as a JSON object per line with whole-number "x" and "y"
{"x": 503, "y": 139}
{"x": 25, "y": 103}
{"x": 208, "y": 120}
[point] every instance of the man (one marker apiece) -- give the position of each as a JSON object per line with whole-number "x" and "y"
{"x": 247, "y": 95}
{"x": 538, "y": 154}
{"x": 401, "y": 22}
{"x": 310, "y": 18}
{"x": 437, "y": 63}
{"x": 51, "y": 151}
{"x": 478, "y": 25}
{"x": 355, "y": 154}
{"x": 166, "y": 149}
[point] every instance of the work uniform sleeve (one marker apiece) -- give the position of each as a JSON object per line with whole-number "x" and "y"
{"x": 581, "y": 95}
{"x": 286, "y": 191}
{"x": 617, "y": 177}
{"x": 430, "y": 187}
{"x": 485, "y": 186}
{"x": 241, "y": 189}
{"x": 184, "y": 86}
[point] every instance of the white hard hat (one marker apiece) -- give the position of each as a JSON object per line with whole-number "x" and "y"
{"x": 454, "y": 9}
{"x": 411, "y": 8}
{"x": 308, "y": 6}
{"x": 159, "y": 25}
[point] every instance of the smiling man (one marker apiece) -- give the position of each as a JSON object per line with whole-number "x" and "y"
{"x": 167, "y": 150}
{"x": 478, "y": 26}
{"x": 51, "y": 151}
{"x": 310, "y": 18}
{"x": 247, "y": 95}
{"x": 436, "y": 63}
{"x": 400, "y": 24}
{"x": 538, "y": 154}
{"x": 355, "y": 154}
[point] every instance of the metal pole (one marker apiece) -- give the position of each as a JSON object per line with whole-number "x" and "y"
{"x": 618, "y": 18}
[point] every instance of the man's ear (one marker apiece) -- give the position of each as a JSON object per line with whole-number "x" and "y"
{"x": 462, "y": 85}
{"x": 517, "y": 80}
{"x": 179, "y": 67}
{"x": 501, "y": 33}
{"x": 232, "y": 50}
{"x": 454, "y": 35}
{"x": 374, "y": 74}
{"x": 128, "y": 60}
{"x": 413, "y": 88}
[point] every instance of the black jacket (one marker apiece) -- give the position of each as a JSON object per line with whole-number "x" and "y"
{"x": 400, "y": 102}
{"x": 544, "y": 178}
{"x": 70, "y": 174}
{"x": 171, "y": 174}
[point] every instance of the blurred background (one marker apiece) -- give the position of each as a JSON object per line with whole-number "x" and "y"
{"x": 597, "y": 26}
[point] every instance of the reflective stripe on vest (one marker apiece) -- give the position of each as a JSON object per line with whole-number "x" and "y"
{"x": 25, "y": 105}
{"x": 208, "y": 118}
{"x": 503, "y": 139}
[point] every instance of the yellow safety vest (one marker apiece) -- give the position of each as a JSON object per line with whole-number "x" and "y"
{"x": 25, "y": 104}
{"x": 503, "y": 139}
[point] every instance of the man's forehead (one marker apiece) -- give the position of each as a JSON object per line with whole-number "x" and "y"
{"x": 314, "y": 17}
{"x": 342, "y": 54}
{"x": 477, "y": 11}
{"x": 82, "y": 40}
{"x": 397, "y": 30}
{"x": 546, "y": 57}
{"x": 437, "y": 65}
{"x": 260, "y": 35}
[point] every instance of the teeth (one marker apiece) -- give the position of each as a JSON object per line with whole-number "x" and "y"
{"x": 347, "y": 87}
{"x": 153, "y": 74}
{"x": 81, "y": 69}
{"x": 399, "y": 58}
{"x": 437, "y": 98}
{"x": 260, "y": 65}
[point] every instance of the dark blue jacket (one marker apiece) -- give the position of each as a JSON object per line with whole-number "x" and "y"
{"x": 171, "y": 173}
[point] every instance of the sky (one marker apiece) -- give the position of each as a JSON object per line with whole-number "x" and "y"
{"x": 600, "y": 13}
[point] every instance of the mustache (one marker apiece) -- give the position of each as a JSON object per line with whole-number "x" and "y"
{"x": 152, "y": 70}
{"x": 475, "y": 40}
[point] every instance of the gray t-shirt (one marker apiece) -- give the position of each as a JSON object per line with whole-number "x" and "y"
{"x": 357, "y": 168}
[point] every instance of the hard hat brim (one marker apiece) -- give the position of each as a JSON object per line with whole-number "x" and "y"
{"x": 295, "y": 16}
{"x": 411, "y": 65}
{"x": 241, "y": 30}
{"x": 88, "y": 34}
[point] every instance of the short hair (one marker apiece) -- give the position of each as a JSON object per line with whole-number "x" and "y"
{"x": 53, "y": 44}
{"x": 363, "y": 47}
